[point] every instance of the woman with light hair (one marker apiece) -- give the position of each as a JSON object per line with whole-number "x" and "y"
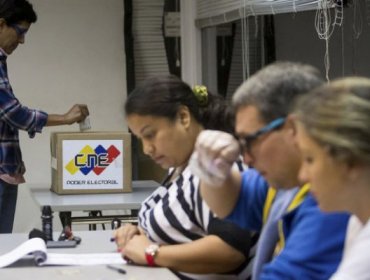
{"x": 333, "y": 134}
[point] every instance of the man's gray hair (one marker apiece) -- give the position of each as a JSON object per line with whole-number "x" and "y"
{"x": 274, "y": 88}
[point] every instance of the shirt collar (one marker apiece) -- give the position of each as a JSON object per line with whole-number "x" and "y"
{"x": 3, "y": 54}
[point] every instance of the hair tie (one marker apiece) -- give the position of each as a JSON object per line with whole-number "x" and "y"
{"x": 201, "y": 95}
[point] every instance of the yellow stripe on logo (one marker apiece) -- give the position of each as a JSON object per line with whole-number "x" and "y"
{"x": 71, "y": 167}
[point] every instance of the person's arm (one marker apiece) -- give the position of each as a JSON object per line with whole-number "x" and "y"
{"x": 222, "y": 200}
{"x": 313, "y": 247}
{"x": 77, "y": 113}
{"x": 206, "y": 255}
{"x": 18, "y": 116}
{"x": 31, "y": 120}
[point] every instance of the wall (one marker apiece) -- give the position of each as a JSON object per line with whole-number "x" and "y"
{"x": 73, "y": 54}
{"x": 297, "y": 40}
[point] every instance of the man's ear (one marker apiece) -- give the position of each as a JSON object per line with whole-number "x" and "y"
{"x": 290, "y": 125}
{"x": 183, "y": 115}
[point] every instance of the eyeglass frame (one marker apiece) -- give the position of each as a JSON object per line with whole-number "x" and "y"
{"x": 245, "y": 142}
{"x": 21, "y": 31}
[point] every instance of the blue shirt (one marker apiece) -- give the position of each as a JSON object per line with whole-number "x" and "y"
{"x": 14, "y": 116}
{"x": 314, "y": 241}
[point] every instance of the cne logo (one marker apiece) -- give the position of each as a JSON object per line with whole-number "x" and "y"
{"x": 89, "y": 159}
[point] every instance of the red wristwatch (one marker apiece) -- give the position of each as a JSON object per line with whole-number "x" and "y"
{"x": 150, "y": 252}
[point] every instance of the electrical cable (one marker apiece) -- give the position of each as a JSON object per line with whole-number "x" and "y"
{"x": 325, "y": 26}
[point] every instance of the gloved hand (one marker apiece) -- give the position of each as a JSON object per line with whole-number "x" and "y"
{"x": 213, "y": 156}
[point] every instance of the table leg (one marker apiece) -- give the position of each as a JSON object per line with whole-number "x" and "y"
{"x": 65, "y": 218}
{"x": 135, "y": 213}
{"x": 96, "y": 213}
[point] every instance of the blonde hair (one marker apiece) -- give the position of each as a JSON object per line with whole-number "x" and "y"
{"x": 337, "y": 116}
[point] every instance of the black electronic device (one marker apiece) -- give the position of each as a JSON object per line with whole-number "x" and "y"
{"x": 50, "y": 243}
{"x": 47, "y": 222}
{"x": 61, "y": 244}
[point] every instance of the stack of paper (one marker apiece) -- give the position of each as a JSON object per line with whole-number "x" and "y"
{"x": 37, "y": 249}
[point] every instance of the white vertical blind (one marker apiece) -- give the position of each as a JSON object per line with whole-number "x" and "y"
{"x": 215, "y": 12}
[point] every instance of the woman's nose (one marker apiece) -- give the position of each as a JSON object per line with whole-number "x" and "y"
{"x": 148, "y": 148}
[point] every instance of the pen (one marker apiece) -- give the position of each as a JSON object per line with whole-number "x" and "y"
{"x": 118, "y": 269}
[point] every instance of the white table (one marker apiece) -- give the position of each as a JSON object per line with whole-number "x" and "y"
{"x": 94, "y": 203}
{"x": 92, "y": 242}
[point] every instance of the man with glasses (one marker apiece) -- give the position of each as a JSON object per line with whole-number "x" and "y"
{"x": 16, "y": 16}
{"x": 297, "y": 241}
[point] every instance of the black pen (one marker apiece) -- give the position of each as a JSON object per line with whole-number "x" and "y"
{"x": 118, "y": 269}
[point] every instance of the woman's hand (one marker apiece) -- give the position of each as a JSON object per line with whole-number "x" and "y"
{"x": 124, "y": 234}
{"x": 135, "y": 249}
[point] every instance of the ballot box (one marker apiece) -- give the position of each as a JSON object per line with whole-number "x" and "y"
{"x": 90, "y": 162}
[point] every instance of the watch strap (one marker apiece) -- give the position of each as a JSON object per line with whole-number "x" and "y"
{"x": 149, "y": 259}
{"x": 150, "y": 253}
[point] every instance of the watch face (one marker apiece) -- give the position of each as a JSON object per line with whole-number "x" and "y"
{"x": 152, "y": 249}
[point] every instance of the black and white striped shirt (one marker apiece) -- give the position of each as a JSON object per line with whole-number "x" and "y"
{"x": 175, "y": 213}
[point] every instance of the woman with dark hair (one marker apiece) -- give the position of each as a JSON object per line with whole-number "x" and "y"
{"x": 176, "y": 228}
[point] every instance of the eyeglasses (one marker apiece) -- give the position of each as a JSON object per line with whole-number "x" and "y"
{"x": 21, "y": 31}
{"x": 245, "y": 142}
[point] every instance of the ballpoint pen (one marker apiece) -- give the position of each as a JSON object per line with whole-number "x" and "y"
{"x": 118, "y": 269}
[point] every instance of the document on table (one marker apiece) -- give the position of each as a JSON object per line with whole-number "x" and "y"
{"x": 83, "y": 259}
{"x": 36, "y": 249}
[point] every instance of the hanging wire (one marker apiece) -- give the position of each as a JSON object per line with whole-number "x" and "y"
{"x": 177, "y": 40}
{"x": 263, "y": 62}
{"x": 357, "y": 29}
{"x": 368, "y": 11}
{"x": 325, "y": 26}
{"x": 251, "y": 7}
{"x": 242, "y": 37}
{"x": 322, "y": 25}
{"x": 327, "y": 57}
{"x": 256, "y": 26}
{"x": 223, "y": 51}
{"x": 294, "y": 9}
{"x": 357, "y": 19}
{"x": 245, "y": 41}
{"x": 343, "y": 62}
{"x": 247, "y": 50}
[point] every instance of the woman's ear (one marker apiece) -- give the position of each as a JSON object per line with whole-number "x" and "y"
{"x": 183, "y": 116}
{"x": 355, "y": 170}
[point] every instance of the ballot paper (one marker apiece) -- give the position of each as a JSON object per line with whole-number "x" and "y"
{"x": 85, "y": 124}
{"x": 36, "y": 249}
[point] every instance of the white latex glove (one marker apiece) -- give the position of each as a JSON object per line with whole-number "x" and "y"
{"x": 213, "y": 156}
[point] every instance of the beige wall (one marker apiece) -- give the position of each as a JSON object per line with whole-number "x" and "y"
{"x": 73, "y": 54}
